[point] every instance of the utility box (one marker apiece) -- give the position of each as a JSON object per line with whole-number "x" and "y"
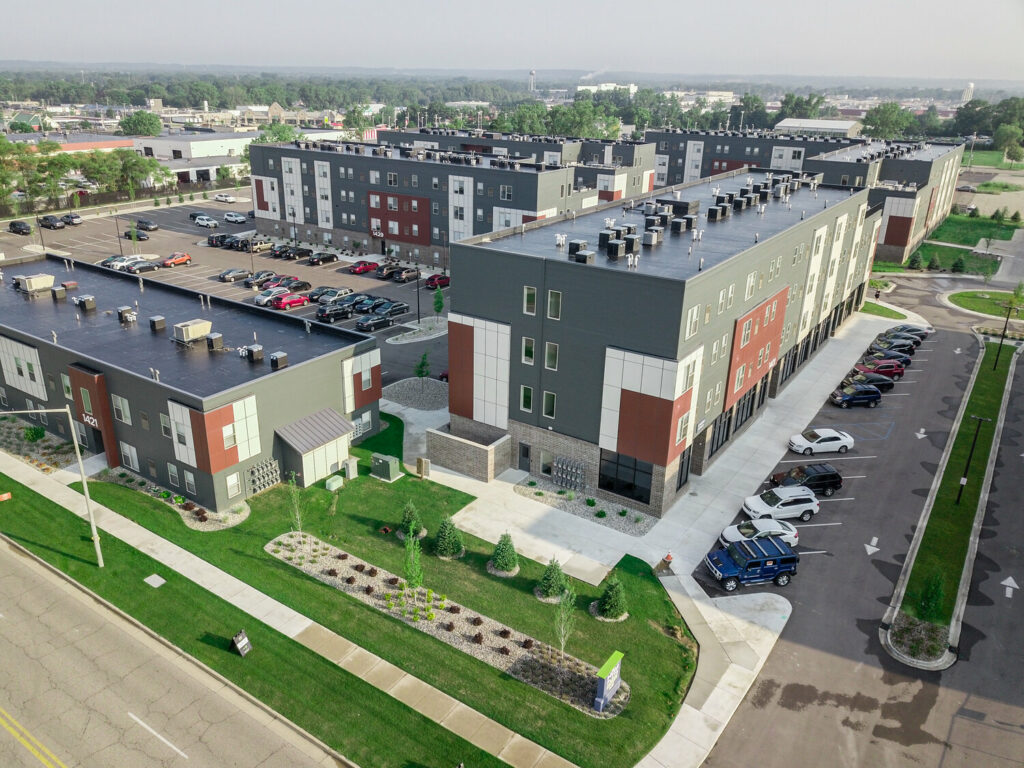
{"x": 423, "y": 467}
{"x": 351, "y": 467}
{"x": 334, "y": 483}
{"x": 386, "y": 468}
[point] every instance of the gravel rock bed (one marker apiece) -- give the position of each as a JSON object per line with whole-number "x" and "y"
{"x": 573, "y": 682}
{"x": 633, "y": 522}
{"x": 425, "y": 394}
{"x": 195, "y": 517}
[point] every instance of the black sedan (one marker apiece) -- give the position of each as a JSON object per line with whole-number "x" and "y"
{"x": 373, "y": 322}
{"x": 260, "y": 278}
{"x": 19, "y": 228}
{"x": 330, "y": 313}
{"x": 322, "y": 257}
{"x": 229, "y": 242}
{"x": 295, "y": 285}
{"x": 280, "y": 250}
{"x": 892, "y": 345}
{"x": 51, "y": 222}
{"x": 231, "y": 275}
{"x": 142, "y": 266}
{"x": 877, "y": 380}
{"x": 147, "y": 225}
{"x": 320, "y": 291}
{"x": 135, "y": 234}
{"x": 369, "y": 304}
{"x": 913, "y": 330}
{"x": 908, "y": 337}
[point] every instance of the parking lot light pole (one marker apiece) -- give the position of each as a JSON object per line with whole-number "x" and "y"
{"x": 117, "y": 233}
{"x": 418, "y": 298}
{"x": 1002, "y": 337}
{"x": 970, "y": 455}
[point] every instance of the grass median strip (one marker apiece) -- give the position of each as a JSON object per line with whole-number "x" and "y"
{"x": 935, "y": 579}
{"x": 965, "y": 230}
{"x": 363, "y": 723}
{"x": 870, "y": 308}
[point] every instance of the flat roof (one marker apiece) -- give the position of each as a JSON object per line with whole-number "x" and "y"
{"x": 184, "y": 163}
{"x": 904, "y": 150}
{"x": 678, "y": 256}
{"x": 99, "y": 336}
{"x": 797, "y": 123}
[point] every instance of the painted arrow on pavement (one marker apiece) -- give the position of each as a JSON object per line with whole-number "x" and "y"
{"x": 956, "y": 351}
{"x": 871, "y": 548}
{"x": 1010, "y": 585}
{"x": 920, "y": 433}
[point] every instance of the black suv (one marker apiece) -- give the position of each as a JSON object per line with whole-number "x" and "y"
{"x": 329, "y": 313}
{"x": 280, "y": 250}
{"x": 820, "y": 478}
{"x": 216, "y": 240}
{"x": 386, "y": 271}
{"x": 51, "y": 222}
{"x": 19, "y": 228}
{"x": 297, "y": 253}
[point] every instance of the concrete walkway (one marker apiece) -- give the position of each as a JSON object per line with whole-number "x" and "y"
{"x": 448, "y": 712}
{"x": 736, "y": 633}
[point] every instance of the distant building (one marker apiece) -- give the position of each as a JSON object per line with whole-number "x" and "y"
{"x": 607, "y": 87}
{"x": 968, "y": 93}
{"x": 800, "y": 127}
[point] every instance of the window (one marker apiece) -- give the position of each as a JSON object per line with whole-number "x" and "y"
{"x": 179, "y": 432}
{"x": 732, "y": 291}
{"x": 80, "y": 434}
{"x": 392, "y": 203}
{"x": 392, "y": 227}
{"x": 459, "y": 187}
{"x": 546, "y": 460}
{"x": 151, "y": 467}
{"x": 414, "y": 180}
{"x": 352, "y": 196}
{"x": 375, "y": 201}
{"x": 751, "y": 285}
{"x": 551, "y": 356}
{"x": 479, "y": 214}
{"x": 549, "y": 405}
{"x": 435, "y": 208}
{"x": 228, "y": 432}
{"x": 692, "y": 321}
{"x": 725, "y": 343}
{"x": 436, "y": 233}
{"x": 304, "y": 169}
{"x": 526, "y": 398}
{"x": 129, "y": 457}
{"x": 42, "y": 416}
{"x": 527, "y": 350}
{"x": 689, "y": 373}
{"x": 707, "y": 314}
{"x": 86, "y": 400}
{"x": 505, "y": 192}
{"x": 625, "y": 476}
{"x": 392, "y": 179}
{"x": 554, "y": 305}
{"x": 121, "y": 410}
{"x": 351, "y": 173}
{"x": 458, "y": 213}
{"x": 529, "y": 300}
{"x": 234, "y": 487}
{"x": 3, "y": 397}
{"x": 746, "y": 333}
{"x": 760, "y": 357}
{"x": 367, "y": 378}
{"x": 165, "y": 425}
{"x": 714, "y": 352}
{"x": 190, "y": 482}
{"x": 375, "y": 177}
{"x": 681, "y": 428}
{"x": 144, "y": 419}
{"x": 721, "y": 301}
{"x": 739, "y": 378}
{"x": 414, "y": 205}
{"x": 30, "y": 406}
{"x": 434, "y": 183}
{"x": 65, "y": 381}
{"x": 49, "y": 382}
{"x": 415, "y": 230}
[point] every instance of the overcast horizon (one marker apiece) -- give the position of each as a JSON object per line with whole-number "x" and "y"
{"x": 872, "y": 38}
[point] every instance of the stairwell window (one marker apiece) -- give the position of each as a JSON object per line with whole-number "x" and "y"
{"x": 528, "y": 345}
{"x": 549, "y": 405}
{"x": 529, "y": 300}
{"x": 551, "y": 356}
{"x": 172, "y": 475}
{"x": 526, "y": 398}
{"x": 122, "y": 412}
{"x": 190, "y": 482}
{"x": 554, "y": 305}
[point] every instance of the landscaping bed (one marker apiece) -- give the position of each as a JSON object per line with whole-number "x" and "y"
{"x": 30, "y": 442}
{"x": 577, "y": 503}
{"x": 194, "y": 516}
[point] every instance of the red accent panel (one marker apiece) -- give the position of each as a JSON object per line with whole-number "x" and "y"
{"x": 405, "y": 216}
{"x": 650, "y": 181}
{"x": 762, "y": 333}
{"x": 365, "y": 397}
{"x": 609, "y": 194}
{"x": 644, "y": 426}
{"x": 96, "y": 385}
{"x": 460, "y": 369}
{"x": 261, "y": 198}
{"x": 897, "y": 230}
{"x": 212, "y": 456}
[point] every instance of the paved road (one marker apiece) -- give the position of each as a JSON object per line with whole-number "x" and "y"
{"x": 828, "y": 687}
{"x": 79, "y": 687}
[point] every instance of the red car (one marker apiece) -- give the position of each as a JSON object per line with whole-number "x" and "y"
{"x": 176, "y": 258}
{"x": 890, "y": 368}
{"x": 278, "y": 281}
{"x": 363, "y": 266}
{"x": 438, "y": 281}
{"x": 289, "y": 300}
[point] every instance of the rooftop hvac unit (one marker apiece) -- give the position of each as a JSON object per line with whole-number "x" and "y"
{"x": 633, "y": 243}
{"x": 576, "y": 245}
{"x": 34, "y": 283}
{"x": 126, "y": 315}
{"x": 84, "y": 303}
{"x": 278, "y": 360}
{"x": 214, "y": 342}
{"x": 616, "y": 249}
{"x": 604, "y": 236}
{"x": 583, "y": 257}
{"x": 58, "y": 292}
{"x": 650, "y": 238}
{"x": 254, "y": 352}
{"x": 157, "y": 323}
{"x": 191, "y": 330}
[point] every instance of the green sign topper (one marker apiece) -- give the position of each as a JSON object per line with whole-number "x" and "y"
{"x": 609, "y": 680}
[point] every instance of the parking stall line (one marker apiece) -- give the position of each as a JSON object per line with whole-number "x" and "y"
{"x": 814, "y": 525}
{"x": 814, "y": 552}
{"x": 896, "y": 394}
{"x": 854, "y": 477}
{"x": 845, "y": 498}
{"x": 805, "y": 459}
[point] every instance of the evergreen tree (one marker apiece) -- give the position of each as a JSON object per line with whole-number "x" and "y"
{"x": 915, "y": 260}
{"x": 411, "y": 519}
{"x": 934, "y": 263}
{"x": 505, "y": 557}
{"x": 613, "y": 602}
{"x": 960, "y": 265}
{"x": 449, "y": 539}
{"x": 422, "y": 370}
{"x": 553, "y": 582}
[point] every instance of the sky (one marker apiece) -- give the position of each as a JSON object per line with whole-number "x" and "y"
{"x": 906, "y": 38}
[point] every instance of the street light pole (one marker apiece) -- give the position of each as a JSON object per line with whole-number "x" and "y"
{"x": 970, "y": 455}
{"x": 418, "y": 276}
{"x": 1002, "y": 336}
{"x": 117, "y": 233}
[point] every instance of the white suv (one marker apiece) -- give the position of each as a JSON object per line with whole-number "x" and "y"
{"x": 206, "y": 221}
{"x": 782, "y": 503}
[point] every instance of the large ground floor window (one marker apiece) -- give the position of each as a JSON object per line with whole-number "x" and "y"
{"x": 625, "y": 476}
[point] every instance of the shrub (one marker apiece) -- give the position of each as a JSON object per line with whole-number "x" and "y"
{"x": 359, "y": 567}
{"x": 430, "y": 615}
{"x": 528, "y": 643}
{"x": 638, "y": 519}
{"x": 505, "y": 633}
{"x": 538, "y": 493}
{"x": 167, "y": 495}
{"x": 449, "y": 626}
{"x": 331, "y": 571}
{"x": 372, "y": 572}
{"x": 478, "y": 638}
{"x": 505, "y": 557}
{"x": 188, "y": 506}
{"x": 613, "y": 602}
{"x": 591, "y": 503}
{"x": 168, "y": 200}
{"x": 553, "y": 582}
{"x": 934, "y": 263}
{"x": 449, "y": 539}
{"x": 350, "y": 580}
{"x": 181, "y": 198}
{"x": 570, "y": 495}
{"x": 191, "y": 195}
{"x": 504, "y": 651}
{"x": 915, "y": 261}
{"x": 454, "y": 609}
{"x": 179, "y": 500}
{"x": 369, "y": 589}
{"x": 560, "y": 491}
{"x": 600, "y": 513}
{"x": 476, "y": 621}
{"x": 973, "y": 213}
{"x": 34, "y": 434}
{"x": 344, "y": 556}
{"x": 205, "y": 196}
{"x": 122, "y": 475}
{"x": 393, "y": 581}
{"x": 623, "y": 512}
{"x": 156, "y": 202}
{"x": 532, "y": 483}
{"x": 1016, "y": 217}
{"x": 201, "y": 517}
{"x": 959, "y": 265}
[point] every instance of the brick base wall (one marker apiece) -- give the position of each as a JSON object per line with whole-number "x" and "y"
{"x": 479, "y": 460}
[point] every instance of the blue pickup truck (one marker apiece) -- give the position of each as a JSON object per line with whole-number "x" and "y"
{"x": 753, "y": 561}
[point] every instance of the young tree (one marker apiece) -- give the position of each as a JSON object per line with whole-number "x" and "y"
{"x": 413, "y": 566}
{"x": 449, "y": 539}
{"x": 612, "y": 603}
{"x": 1005, "y": 135}
{"x": 1014, "y": 153}
{"x": 915, "y": 260}
{"x": 411, "y": 518}
{"x": 224, "y": 173}
{"x": 934, "y": 263}
{"x": 19, "y": 126}
{"x": 422, "y": 370}
{"x": 565, "y": 620}
{"x": 505, "y": 557}
{"x": 438, "y": 304}
{"x": 294, "y": 496}
{"x": 959, "y": 265}
{"x": 141, "y": 123}
{"x": 553, "y": 582}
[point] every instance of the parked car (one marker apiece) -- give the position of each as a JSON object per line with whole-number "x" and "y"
{"x": 884, "y": 383}
{"x": 856, "y": 394}
{"x": 19, "y": 228}
{"x": 821, "y": 440}
{"x": 217, "y": 240}
{"x": 753, "y": 562}
{"x": 363, "y": 266}
{"x": 137, "y": 267}
{"x": 108, "y": 261}
{"x": 264, "y": 298}
{"x": 386, "y": 271}
{"x": 224, "y": 197}
{"x": 288, "y": 300}
{"x": 373, "y": 322}
{"x": 438, "y": 281}
{"x": 782, "y": 504}
{"x": 71, "y": 219}
{"x": 206, "y": 221}
{"x": 234, "y": 218}
{"x": 820, "y": 478}
{"x": 352, "y": 299}
{"x": 280, "y": 250}
{"x": 51, "y": 222}
{"x": 322, "y": 257}
{"x": 251, "y": 213}
{"x": 295, "y": 285}
{"x": 891, "y": 368}
{"x": 966, "y": 188}
{"x": 178, "y": 258}
{"x": 135, "y": 234}
{"x": 147, "y": 225}
{"x": 261, "y": 277}
{"x": 293, "y": 254}
{"x": 759, "y": 529}
{"x": 256, "y": 246}
{"x": 369, "y": 304}
{"x": 406, "y": 275}
{"x": 278, "y": 280}
{"x": 331, "y": 313}
{"x": 333, "y": 295}
{"x": 443, "y": 375}
{"x": 888, "y": 354}
{"x": 892, "y": 345}
{"x": 392, "y": 309}
{"x": 230, "y": 242}
{"x": 122, "y": 262}
{"x": 196, "y": 214}
{"x": 915, "y": 330}
{"x": 896, "y": 336}
{"x": 231, "y": 275}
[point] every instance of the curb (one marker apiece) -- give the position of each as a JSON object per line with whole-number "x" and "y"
{"x": 180, "y": 654}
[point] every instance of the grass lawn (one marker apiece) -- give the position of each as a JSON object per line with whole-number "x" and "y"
{"x": 986, "y": 302}
{"x": 659, "y": 652}
{"x": 964, "y": 230}
{"x": 973, "y": 263}
{"x": 995, "y": 187}
{"x": 887, "y": 266}
{"x": 935, "y": 579}
{"x": 988, "y": 157}
{"x": 352, "y": 716}
{"x": 870, "y": 308}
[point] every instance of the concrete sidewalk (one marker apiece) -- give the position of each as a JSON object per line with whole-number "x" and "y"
{"x": 736, "y": 633}
{"x": 443, "y": 709}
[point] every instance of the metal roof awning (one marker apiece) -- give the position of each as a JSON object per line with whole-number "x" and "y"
{"x": 316, "y": 430}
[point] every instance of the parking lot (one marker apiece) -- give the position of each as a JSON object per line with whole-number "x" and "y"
{"x": 98, "y": 238}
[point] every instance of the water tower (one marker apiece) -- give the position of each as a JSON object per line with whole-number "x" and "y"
{"x": 533, "y": 80}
